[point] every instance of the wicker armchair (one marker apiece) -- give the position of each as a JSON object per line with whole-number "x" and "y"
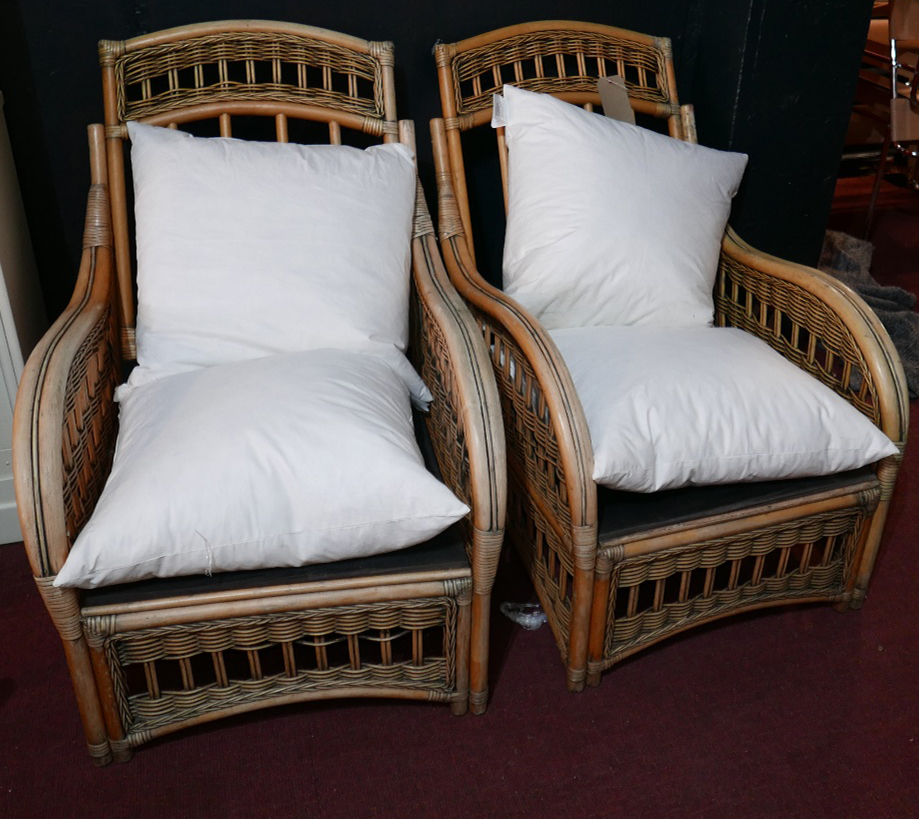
{"x": 150, "y": 657}
{"x": 618, "y": 572}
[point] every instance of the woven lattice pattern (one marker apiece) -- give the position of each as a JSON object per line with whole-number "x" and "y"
{"x": 534, "y": 460}
{"x": 247, "y": 66}
{"x": 444, "y": 421}
{"x": 546, "y": 557}
{"x": 532, "y": 446}
{"x": 557, "y": 61}
{"x": 176, "y": 674}
{"x": 799, "y": 326}
{"x": 90, "y": 422}
{"x": 661, "y": 593}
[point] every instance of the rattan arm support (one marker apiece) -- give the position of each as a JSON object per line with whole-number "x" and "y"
{"x": 465, "y": 426}
{"x": 61, "y": 448}
{"x": 63, "y": 442}
{"x": 537, "y": 391}
{"x": 826, "y": 329}
{"x": 818, "y": 323}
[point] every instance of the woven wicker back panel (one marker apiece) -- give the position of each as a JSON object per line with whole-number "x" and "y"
{"x": 557, "y": 61}
{"x": 248, "y": 66}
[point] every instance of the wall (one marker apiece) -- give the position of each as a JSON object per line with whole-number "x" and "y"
{"x": 774, "y": 78}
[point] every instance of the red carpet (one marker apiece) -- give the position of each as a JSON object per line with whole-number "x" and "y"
{"x": 790, "y": 713}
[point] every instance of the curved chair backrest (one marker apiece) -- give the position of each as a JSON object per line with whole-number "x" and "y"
{"x": 561, "y": 58}
{"x": 230, "y": 71}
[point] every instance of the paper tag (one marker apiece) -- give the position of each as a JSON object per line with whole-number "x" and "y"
{"x": 615, "y": 99}
{"x": 498, "y": 117}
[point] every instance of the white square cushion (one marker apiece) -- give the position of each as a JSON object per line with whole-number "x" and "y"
{"x": 279, "y": 461}
{"x": 609, "y": 223}
{"x": 670, "y": 407}
{"x": 245, "y": 249}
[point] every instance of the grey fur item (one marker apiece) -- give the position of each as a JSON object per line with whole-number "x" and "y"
{"x": 849, "y": 260}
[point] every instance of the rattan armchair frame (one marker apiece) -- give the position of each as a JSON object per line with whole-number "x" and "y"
{"x": 609, "y": 593}
{"x": 143, "y": 666}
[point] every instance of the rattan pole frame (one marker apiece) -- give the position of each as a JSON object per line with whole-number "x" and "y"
{"x": 556, "y": 389}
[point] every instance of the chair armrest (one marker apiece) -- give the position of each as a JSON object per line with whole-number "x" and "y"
{"x": 819, "y": 324}
{"x": 464, "y": 420}
{"x": 65, "y": 421}
{"x": 550, "y": 458}
{"x": 539, "y": 401}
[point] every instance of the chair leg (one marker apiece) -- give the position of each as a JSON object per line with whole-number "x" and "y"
{"x": 478, "y": 656}
{"x": 63, "y": 606}
{"x": 463, "y": 639}
{"x": 597, "y": 639}
{"x": 867, "y": 555}
{"x": 584, "y": 547}
{"x": 84, "y": 687}
{"x": 122, "y": 751}
{"x": 576, "y": 679}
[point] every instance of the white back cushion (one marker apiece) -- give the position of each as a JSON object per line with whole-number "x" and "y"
{"x": 250, "y": 248}
{"x": 609, "y": 223}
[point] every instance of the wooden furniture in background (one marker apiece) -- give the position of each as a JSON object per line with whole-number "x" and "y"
{"x": 148, "y": 658}
{"x": 886, "y": 110}
{"x": 617, "y": 572}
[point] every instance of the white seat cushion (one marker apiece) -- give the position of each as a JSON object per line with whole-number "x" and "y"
{"x": 609, "y": 223}
{"x": 278, "y": 461}
{"x": 692, "y": 406}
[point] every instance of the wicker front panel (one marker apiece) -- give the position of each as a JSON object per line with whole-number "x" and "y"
{"x": 177, "y": 674}
{"x": 90, "y": 422}
{"x": 247, "y": 66}
{"x": 799, "y": 326}
{"x": 557, "y": 61}
{"x": 658, "y": 594}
